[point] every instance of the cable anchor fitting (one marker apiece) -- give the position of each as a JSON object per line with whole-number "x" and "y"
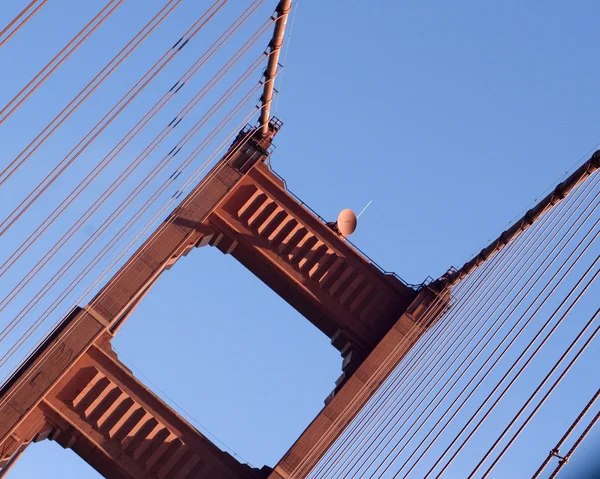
{"x": 556, "y": 453}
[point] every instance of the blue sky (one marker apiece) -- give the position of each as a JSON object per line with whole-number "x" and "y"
{"x": 452, "y": 118}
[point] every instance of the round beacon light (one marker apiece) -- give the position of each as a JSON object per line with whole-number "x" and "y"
{"x": 346, "y": 222}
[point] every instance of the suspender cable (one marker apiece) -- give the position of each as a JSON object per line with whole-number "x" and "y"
{"x": 71, "y": 327}
{"x": 121, "y": 208}
{"x": 548, "y": 393}
{"x": 119, "y": 181}
{"x": 578, "y": 442}
{"x": 447, "y": 365}
{"x": 300, "y": 469}
{"x": 521, "y": 268}
{"x": 498, "y": 346}
{"x": 513, "y": 365}
{"x": 219, "y": 76}
{"x": 531, "y": 261}
{"x": 373, "y": 418}
{"x": 556, "y": 450}
{"x": 90, "y": 241}
{"x": 17, "y": 23}
{"x": 67, "y": 111}
{"x": 120, "y": 234}
{"x": 107, "y": 223}
{"x": 510, "y": 369}
{"x": 58, "y": 60}
{"x": 33, "y": 237}
{"x": 519, "y": 252}
{"x": 108, "y": 118}
{"x": 413, "y": 359}
{"x": 404, "y": 379}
